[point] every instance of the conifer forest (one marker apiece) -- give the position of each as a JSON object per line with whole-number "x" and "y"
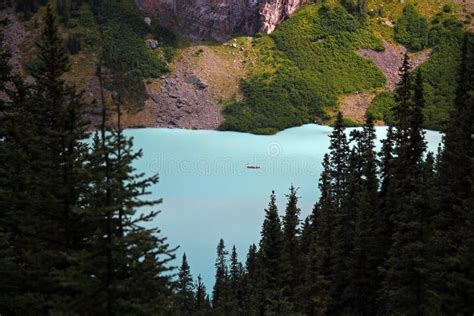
{"x": 392, "y": 229}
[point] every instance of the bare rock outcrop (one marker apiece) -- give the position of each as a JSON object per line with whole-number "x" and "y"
{"x": 391, "y": 59}
{"x": 219, "y": 19}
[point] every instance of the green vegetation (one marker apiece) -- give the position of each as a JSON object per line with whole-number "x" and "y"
{"x": 27, "y": 7}
{"x": 411, "y": 29}
{"x": 441, "y": 70}
{"x": 391, "y": 234}
{"x": 116, "y": 31}
{"x": 74, "y": 44}
{"x": 381, "y": 107}
{"x": 125, "y": 52}
{"x": 73, "y": 232}
{"x": 305, "y": 65}
{"x": 380, "y": 241}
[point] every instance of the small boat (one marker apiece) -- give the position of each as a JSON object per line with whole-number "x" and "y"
{"x": 249, "y": 166}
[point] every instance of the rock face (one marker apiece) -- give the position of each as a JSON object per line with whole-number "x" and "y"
{"x": 219, "y": 19}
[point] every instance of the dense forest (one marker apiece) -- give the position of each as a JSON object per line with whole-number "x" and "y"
{"x": 392, "y": 233}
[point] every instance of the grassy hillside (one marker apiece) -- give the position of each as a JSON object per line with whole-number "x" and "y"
{"x": 310, "y": 60}
{"x": 303, "y": 67}
{"x": 296, "y": 75}
{"x": 113, "y": 29}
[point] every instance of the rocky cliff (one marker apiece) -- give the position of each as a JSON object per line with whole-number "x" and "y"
{"x": 219, "y": 19}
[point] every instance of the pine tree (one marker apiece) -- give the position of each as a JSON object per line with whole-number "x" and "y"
{"x": 271, "y": 293}
{"x": 12, "y": 179}
{"x": 250, "y": 282}
{"x": 235, "y": 282}
{"x": 128, "y": 263}
{"x": 201, "y": 300}
{"x": 406, "y": 287}
{"x": 343, "y": 229}
{"x": 291, "y": 257}
{"x": 185, "y": 289}
{"x": 454, "y": 222}
{"x": 48, "y": 131}
{"x": 323, "y": 223}
{"x": 315, "y": 290}
{"x": 221, "y": 293}
{"x": 362, "y": 198}
{"x": 384, "y": 223}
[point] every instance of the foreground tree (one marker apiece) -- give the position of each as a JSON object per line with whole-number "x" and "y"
{"x": 406, "y": 287}
{"x": 455, "y": 219}
{"x": 185, "y": 289}
{"x": 221, "y": 291}
{"x": 69, "y": 209}
{"x": 272, "y": 298}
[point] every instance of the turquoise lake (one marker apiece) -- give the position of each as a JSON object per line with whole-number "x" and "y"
{"x": 209, "y": 193}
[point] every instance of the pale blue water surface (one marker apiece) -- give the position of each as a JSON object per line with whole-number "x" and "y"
{"x": 209, "y": 193}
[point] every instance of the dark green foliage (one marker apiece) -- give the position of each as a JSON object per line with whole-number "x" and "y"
{"x": 271, "y": 294}
{"x": 221, "y": 290}
{"x": 125, "y": 52}
{"x": 185, "y": 290}
{"x": 63, "y": 8}
{"x": 74, "y": 44}
{"x": 68, "y": 227}
{"x": 235, "y": 283}
{"x": 130, "y": 86}
{"x": 456, "y": 173}
{"x": 440, "y": 71}
{"x": 28, "y": 7}
{"x": 249, "y": 282}
{"x": 291, "y": 258}
{"x": 168, "y": 42}
{"x": 43, "y": 138}
{"x": 411, "y": 29}
{"x": 202, "y": 305}
{"x": 407, "y": 279}
{"x": 387, "y": 236}
{"x": 381, "y": 107}
{"x": 315, "y": 61}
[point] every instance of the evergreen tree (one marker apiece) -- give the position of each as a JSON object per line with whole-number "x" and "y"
{"x": 362, "y": 198}
{"x": 250, "y": 282}
{"x": 316, "y": 270}
{"x": 185, "y": 289}
{"x": 13, "y": 175}
{"x": 384, "y": 224}
{"x": 406, "y": 287}
{"x": 343, "y": 215}
{"x": 454, "y": 222}
{"x": 47, "y": 132}
{"x": 235, "y": 283}
{"x": 201, "y": 300}
{"x": 129, "y": 262}
{"x": 221, "y": 293}
{"x": 271, "y": 293}
{"x": 291, "y": 257}
{"x": 323, "y": 223}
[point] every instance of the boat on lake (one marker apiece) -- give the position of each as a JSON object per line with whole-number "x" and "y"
{"x": 250, "y": 166}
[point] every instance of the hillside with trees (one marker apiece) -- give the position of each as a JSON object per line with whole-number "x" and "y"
{"x": 301, "y": 73}
{"x": 392, "y": 232}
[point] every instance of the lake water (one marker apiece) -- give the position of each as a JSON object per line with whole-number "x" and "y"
{"x": 209, "y": 193}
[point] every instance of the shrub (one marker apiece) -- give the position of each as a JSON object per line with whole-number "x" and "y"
{"x": 441, "y": 70}
{"x": 125, "y": 52}
{"x": 411, "y": 29}
{"x": 381, "y": 107}
{"x": 74, "y": 43}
